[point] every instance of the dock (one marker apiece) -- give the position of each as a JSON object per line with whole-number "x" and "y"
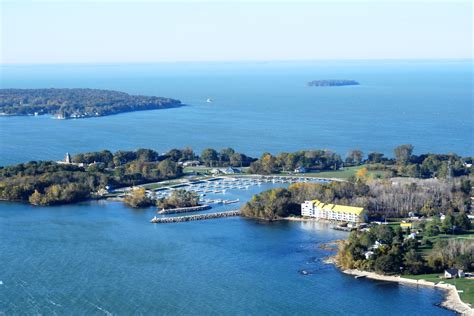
{"x": 197, "y": 217}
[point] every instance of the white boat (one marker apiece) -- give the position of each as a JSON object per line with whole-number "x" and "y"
{"x": 209, "y": 100}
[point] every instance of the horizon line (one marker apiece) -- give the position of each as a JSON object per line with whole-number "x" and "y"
{"x": 78, "y": 63}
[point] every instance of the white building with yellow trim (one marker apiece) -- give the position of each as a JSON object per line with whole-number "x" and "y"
{"x": 344, "y": 213}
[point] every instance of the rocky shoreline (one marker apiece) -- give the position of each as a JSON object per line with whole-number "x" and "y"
{"x": 451, "y": 301}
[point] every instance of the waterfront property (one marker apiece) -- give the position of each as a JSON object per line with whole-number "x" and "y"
{"x": 318, "y": 209}
{"x": 453, "y": 273}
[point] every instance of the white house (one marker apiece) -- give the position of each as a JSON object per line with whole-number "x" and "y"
{"x": 318, "y": 209}
{"x": 453, "y": 273}
{"x": 300, "y": 170}
{"x": 368, "y": 254}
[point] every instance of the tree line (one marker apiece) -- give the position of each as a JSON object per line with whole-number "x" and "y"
{"x": 53, "y": 183}
{"x": 382, "y": 198}
{"x": 49, "y": 183}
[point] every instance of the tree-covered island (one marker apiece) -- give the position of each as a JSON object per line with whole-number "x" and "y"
{"x": 77, "y": 103}
{"x": 332, "y": 83}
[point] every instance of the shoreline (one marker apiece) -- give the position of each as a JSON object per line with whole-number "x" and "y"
{"x": 451, "y": 300}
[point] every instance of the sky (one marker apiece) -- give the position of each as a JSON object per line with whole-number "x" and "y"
{"x": 164, "y": 31}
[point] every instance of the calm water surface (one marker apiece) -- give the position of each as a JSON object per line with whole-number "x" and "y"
{"x": 257, "y": 107}
{"x": 101, "y": 257}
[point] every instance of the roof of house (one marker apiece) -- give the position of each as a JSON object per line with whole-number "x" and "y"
{"x": 452, "y": 271}
{"x": 338, "y": 208}
{"x": 405, "y": 224}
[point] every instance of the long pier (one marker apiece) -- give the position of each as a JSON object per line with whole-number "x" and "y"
{"x": 185, "y": 209}
{"x": 197, "y": 217}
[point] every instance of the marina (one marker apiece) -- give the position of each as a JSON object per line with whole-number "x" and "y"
{"x": 220, "y": 185}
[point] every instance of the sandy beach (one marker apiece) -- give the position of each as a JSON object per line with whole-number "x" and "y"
{"x": 451, "y": 301}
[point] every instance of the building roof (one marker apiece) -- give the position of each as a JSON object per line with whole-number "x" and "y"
{"x": 338, "y": 208}
{"x": 405, "y": 224}
{"x": 452, "y": 271}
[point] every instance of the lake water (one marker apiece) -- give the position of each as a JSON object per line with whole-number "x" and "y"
{"x": 257, "y": 107}
{"x": 101, "y": 257}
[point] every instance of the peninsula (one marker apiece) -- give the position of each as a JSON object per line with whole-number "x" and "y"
{"x": 77, "y": 103}
{"x": 332, "y": 83}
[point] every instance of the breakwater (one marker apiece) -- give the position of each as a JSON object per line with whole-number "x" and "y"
{"x": 184, "y": 209}
{"x": 197, "y": 217}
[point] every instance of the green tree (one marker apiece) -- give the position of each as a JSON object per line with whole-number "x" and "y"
{"x": 180, "y": 198}
{"x": 413, "y": 262}
{"x": 225, "y": 154}
{"x": 209, "y": 156}
{"x": 354, "y": 157}
{"x": 432, "y": 229}
{"x": 384, "y": 233}
{"x": 448, "y": 222}
{"x": 375, "y": 157}
{"x": 462, "y": 221}
{"x": 403, "y": 154}
{"x": 236, "y": 160}
{"x": 168, "y": 168}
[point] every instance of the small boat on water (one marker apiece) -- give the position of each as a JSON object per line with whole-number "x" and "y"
{"x": 231, "y": 201}
{"x": 209, "y": 100}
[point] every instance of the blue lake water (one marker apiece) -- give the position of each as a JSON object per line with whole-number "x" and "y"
{"x": 101, "y": 257}
{"x": 257, "y": 107}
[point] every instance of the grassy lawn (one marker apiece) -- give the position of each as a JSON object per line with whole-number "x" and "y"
{"x": 198, "y": 170}
{"x": 346, "y": 173}
{"x": 426, "y": 249}
{"x": 153, "y": 186}
{"x": 465, "y": 285}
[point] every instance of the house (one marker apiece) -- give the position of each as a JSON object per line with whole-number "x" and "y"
{"x": 368, "y": 254}
{"x": 191, "y": 163}
{"x": 216, "y": 171}
{"x": 300, "y": 170}
{"x": 344, "y": 213}
{"x": 405, "y": 225}
{"x": 231, "y": 170}
{"x": 453, "y": 273}
{"x": 376, "y": 245}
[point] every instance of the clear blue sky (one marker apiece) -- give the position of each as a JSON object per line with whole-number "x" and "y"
{"x": 126, "y": 31}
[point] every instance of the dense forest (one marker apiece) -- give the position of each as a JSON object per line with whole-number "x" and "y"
{"x": 77, "y": 103}
{"x": 404, "y": 163}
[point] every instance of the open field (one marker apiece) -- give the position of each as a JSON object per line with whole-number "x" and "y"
{"x": 346, "y": 173}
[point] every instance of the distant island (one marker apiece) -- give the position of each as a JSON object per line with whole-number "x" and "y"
{"x": 77, "y": 103}
{"x": 332, "y": 83}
